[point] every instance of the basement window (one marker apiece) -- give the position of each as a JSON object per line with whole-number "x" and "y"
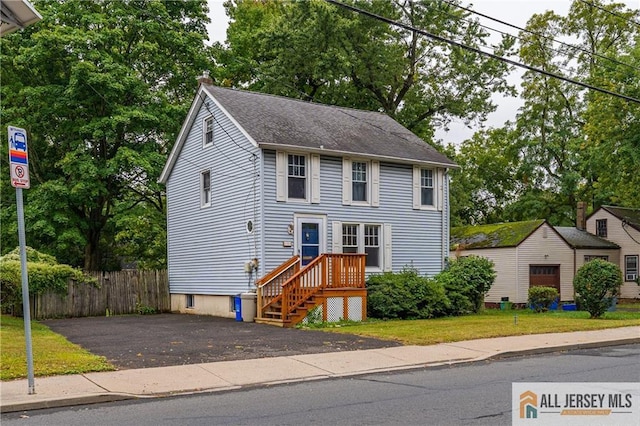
{"x": 190, "y": 301}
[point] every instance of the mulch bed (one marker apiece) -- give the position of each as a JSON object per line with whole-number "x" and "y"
{"x": 142, "y": 341}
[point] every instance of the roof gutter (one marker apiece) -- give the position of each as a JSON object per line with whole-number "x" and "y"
{"x": 338, "y": 153}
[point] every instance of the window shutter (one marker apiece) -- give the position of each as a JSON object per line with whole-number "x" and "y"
{"x": 315, "y": 178}
{"x": 346, "y": 181}
{"x": 336, "y": 235}
{"x": 281, "y": 176}
{"x": 417, "y": 201}
{"x": 375, "y": 183}
{"x": 388, "y": 263}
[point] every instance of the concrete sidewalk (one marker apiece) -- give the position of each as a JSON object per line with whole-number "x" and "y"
{"x": 59, "y": 391}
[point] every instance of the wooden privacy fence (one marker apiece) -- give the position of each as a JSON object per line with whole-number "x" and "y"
{"x": 121, "y": 292}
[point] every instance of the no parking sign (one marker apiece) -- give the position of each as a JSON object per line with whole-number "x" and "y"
{"x": 18, "y": 158}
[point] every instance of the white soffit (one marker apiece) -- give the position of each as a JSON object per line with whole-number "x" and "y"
{"x": 16, "y": 14}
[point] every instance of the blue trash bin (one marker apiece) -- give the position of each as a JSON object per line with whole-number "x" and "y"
{"x": 237, "y": 306}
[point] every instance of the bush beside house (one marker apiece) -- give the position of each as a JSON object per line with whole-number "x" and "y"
{"x": 457, "y": 290}
{"x": 541, "y": 298}
{"x": 597, "y": 284}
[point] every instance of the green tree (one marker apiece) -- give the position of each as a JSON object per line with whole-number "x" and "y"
{"x": 316, "y": 51}
{"x": 102, "y": 88}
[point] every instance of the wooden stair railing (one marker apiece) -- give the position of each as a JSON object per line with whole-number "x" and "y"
{"x": 286, "y": 294}
{"x": 269, "y": 287}
{"x": 329, "y": 270}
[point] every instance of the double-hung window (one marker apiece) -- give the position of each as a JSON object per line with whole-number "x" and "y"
{"x": 297, "y": 176}
{"x": 601, "y": 228}
{"x": 359, "y": 190}
{"x": 364, "y": 238}
{"x": 426, "y": 187}
{"x": 205, "y": 188}
{"x": 349, "y": 238}
{"x": 360, "y": 182}
{"x": 631, "y": 267}
{"x": 208, "y": 131}
{"x": 372, "y": 245}
{"x": 425, "y": 194}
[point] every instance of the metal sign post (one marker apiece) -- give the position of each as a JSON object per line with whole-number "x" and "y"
{"x": 19, "y": 166}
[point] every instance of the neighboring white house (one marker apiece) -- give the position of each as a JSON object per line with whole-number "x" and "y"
{"x": 254, "y": 179}
{"x": 530, "y": 253}
{"x": 622, "y": 226}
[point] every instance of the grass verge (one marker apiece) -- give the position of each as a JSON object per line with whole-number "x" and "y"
{"x": 52, "y": 353}
{"x": 488, "y": 323}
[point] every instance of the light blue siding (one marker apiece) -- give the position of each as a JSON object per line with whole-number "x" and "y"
{"x": 417, "y": 239}
{"x": 208, "y": 247}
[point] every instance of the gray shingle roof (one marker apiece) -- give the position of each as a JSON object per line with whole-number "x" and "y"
{"x": 278, "y": 121}
{"x": 626, "y": 214}
{"x": 582, "y": 239}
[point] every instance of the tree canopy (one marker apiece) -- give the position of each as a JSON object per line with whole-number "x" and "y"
{"x": 102, "y": 88}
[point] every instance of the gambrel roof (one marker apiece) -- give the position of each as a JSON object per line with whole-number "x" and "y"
{"x": 276, "y": 122}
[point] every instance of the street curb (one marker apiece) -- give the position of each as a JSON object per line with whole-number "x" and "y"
{"x": 567, "y": 347}
{"x": 65, "y": 402}
{"x": 115, "y": 397}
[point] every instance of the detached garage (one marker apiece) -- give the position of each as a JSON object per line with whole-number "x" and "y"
{"x": 530, "y": 253}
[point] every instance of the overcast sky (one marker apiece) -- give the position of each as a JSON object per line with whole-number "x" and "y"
{"x": 516, "y": 12}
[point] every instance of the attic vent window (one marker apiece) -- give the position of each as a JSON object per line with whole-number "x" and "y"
{"x": 250, "y": 226}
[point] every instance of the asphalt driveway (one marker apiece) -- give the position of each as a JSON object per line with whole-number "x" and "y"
{"x": 142, "y": 341}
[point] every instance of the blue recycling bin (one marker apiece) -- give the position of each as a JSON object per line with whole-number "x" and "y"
{"x": 237, "y": 306}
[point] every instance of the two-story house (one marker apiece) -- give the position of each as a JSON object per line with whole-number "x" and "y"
{"x": 622, "y": 226}
{"x": 266, "y": 186}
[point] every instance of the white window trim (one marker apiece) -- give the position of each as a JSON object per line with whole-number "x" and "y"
{"x": 630, "y": 277}
{"x": 373, "y": 182}
{"x": 204, "y": 131}
{"x": 202, "y": 192}
{"x": 384, "y": 245}
{"x": 417, "y": 189}
{"x": 312, "y": 178}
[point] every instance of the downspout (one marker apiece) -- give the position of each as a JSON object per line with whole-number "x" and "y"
{"x": 445, "y": 219}
{"x": 260, "y": 189}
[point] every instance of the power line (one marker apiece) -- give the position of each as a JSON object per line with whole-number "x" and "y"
{"x": 631, "y": 21}
{"x": 508, "y": 24}
{"x": 481, "y": 52}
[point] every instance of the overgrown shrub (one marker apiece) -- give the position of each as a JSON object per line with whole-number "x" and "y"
{"x": 44, "y": 274}
{"x": 405, "y": 295}
{"x": 466, "y": 281}
{"x": 541, "y": 298}
{"x": 596, "y": 284}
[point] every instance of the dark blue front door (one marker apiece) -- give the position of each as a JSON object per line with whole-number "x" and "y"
{"x": 310, "y": 242}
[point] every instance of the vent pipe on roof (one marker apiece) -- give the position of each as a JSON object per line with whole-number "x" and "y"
{"x": 204, "y": 79}
{"x": 581, "y": 216}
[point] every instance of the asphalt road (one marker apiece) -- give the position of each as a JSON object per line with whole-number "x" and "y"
{"x": 471, "y": 394}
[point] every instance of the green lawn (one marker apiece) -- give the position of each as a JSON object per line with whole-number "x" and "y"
{"x": 52, "y": 353}
{"x": 489, "y": 323}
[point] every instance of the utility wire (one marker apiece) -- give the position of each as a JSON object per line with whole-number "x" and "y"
{"x": 631, "y": 21}
{"x": 508, "y": 24}
{"x": 481, "y": 52}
